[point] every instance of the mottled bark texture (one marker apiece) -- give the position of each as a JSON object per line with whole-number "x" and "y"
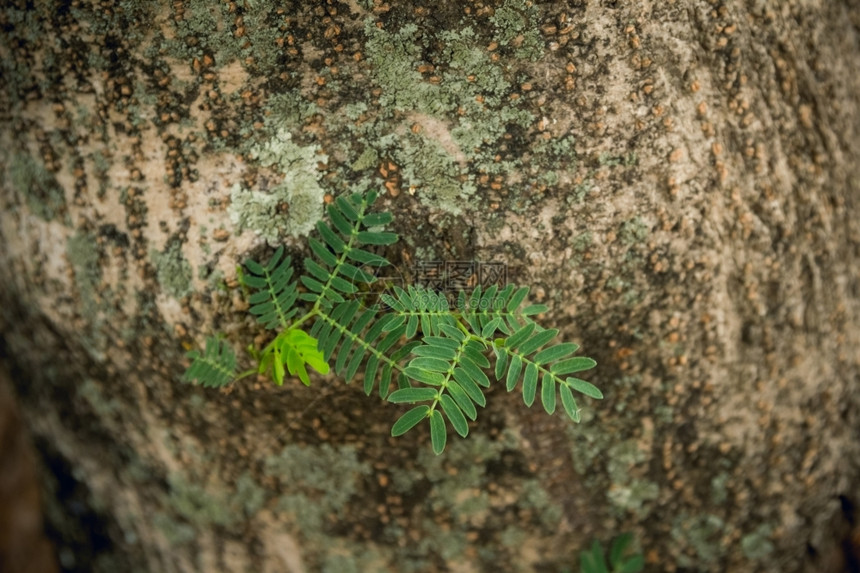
{"x": 23, "y": 546}
{"x": 677, "y": 180}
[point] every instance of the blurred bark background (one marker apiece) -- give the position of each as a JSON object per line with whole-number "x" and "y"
{"x": 678, "y": 181}
{"x": 23, "y": 545}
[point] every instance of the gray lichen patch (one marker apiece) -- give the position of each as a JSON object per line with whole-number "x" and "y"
{"x": 204, "y": 505}
{"x": 290, "y": 207}
{"x": 442, "y": 182}
{"x": 516, "y": 25}
{"x": 702, "y": 534}
{"x": 95, "y": 297}
{"x": 455, "y": 100}
{"x": 83, "y": 254}
{"x": 174, "y": 270}
{"x": 757, "y": 545}
{"x": 39, "y": 187}
{"x": 438, "y": 501}
{"x": 394, "y": 57}
{"x": 289, "y": 108}
{"x": 104, "y": 406}
{"x": 319, "y": 483}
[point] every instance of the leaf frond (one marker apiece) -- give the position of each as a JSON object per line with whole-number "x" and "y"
{"x": 420, "y": 308}
{"x": 622, "y": 559}
{"x": 273, "y": 303}
{"x": 356, "y": 334}
{"x": 335, "y": 273}
{"x": 214, "y": 367}
{"x": 448, "y": 369}
{"x": 527, "y": 356}
{"x": 491, "y": 310}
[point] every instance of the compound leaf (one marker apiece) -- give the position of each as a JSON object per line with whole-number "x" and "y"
{"x": 214, "y": 367}
{"x": 430, "y": 363}
{"x": 463, "y": 400}
{"x": 568, "y": 402}
{"x": 276, "y": 294}
{"x": 470, "y": 387}
{"x": 424, "y": 376}
{"x": 634, "y": 564}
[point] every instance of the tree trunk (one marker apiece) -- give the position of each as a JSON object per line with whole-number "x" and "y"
{"x": 677, "y": 181}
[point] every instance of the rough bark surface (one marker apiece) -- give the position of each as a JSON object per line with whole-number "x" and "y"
{"x": 679, "y": 181}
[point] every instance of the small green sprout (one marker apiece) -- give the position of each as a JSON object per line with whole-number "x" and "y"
{"x": 621, "y": 560}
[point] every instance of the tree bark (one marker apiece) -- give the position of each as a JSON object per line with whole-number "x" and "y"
{"x": 678, "y": 181}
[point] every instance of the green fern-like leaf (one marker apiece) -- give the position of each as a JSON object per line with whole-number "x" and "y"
{"x": 621, "y": 559}
{"x": 363, "y": 336}
{"x": 496, "y": 310}
{"x": 450, "y": 366}
{"x": 344, "y": 327}
{"x": 525, "y": 356}
{"x": 214, "y": 367}
{"x": 275, "y": 296}
{"x": 337, "y": 272}
{"x": 448, "y": 369}
{"x": 418, "y": 307}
